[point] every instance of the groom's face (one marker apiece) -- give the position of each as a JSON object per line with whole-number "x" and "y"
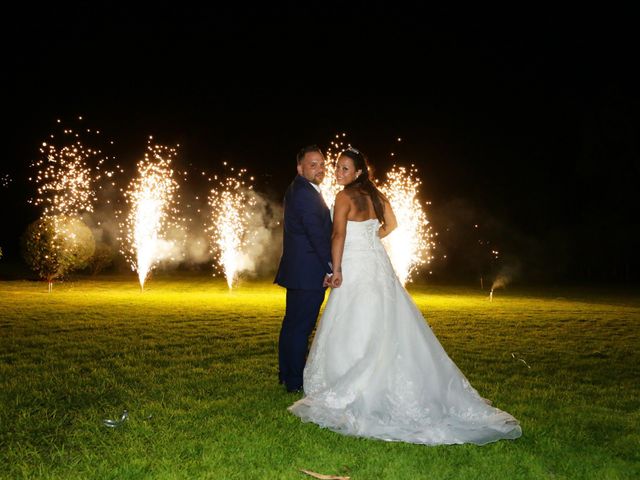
{"x": 311, "y": 167}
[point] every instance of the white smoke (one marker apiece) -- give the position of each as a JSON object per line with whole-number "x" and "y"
{"x": 197, "y": 249}
{"x": 262, "y": 241}
{"x": 506, "y": 275}
{"x": 188, "y": 243}
{"x": 264, "y": 237}
{"x": 171, "y": 248}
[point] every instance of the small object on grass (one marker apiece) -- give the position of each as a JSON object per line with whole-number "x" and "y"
{"x": 323, "y": 477}
{"x": 116, "y": 423}
{"x": 522, "y": 360}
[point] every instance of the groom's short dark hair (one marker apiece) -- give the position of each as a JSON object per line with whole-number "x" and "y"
{"x": 307, "y": 149}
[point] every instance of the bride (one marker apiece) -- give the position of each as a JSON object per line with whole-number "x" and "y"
{"x": 375, "y": 368}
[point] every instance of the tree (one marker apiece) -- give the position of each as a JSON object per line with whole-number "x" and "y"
{"x": 102, "y": 258}
{"x": 54, "y": 246}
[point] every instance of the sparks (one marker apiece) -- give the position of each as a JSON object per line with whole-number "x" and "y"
{"x": 329, "y": 186}
{"x": 153, "y": 211}
{"x": 230, "y": 201}
{"x": 410, "y": 245}
{"x": 67, "y": 177}
{"x": 5, "y": 180}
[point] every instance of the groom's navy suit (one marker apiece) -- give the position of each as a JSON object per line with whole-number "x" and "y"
{"x": 306, "y": 259}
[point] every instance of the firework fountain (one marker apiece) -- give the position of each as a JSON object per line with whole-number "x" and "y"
{"x": 153, "y": 200}
{"x": 329, "y": 185}
{"x": 505, "y": 276}
{"x": 67, "y": 178}
{"x": 231, "y": 201}
{"x": 410, "y": 245}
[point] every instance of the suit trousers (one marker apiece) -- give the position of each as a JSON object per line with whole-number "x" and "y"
{"x": 301, "y": 315}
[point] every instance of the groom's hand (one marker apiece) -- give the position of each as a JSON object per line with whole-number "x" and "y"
{"x": 327, "y": 281}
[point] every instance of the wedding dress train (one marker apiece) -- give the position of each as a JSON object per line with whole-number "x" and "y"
{"x": 376, "y": 369}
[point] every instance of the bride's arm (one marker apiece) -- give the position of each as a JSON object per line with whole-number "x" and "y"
{"x": 390, "y": 222}
{"x": 340, "y": 214}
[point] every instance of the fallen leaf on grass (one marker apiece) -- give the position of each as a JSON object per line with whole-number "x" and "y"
{"x": 323, "y": 477}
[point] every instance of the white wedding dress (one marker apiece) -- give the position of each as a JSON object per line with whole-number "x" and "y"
{"x": 375, "y": 368}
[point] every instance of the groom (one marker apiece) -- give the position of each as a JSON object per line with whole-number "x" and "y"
{"x": 305, "y": 266}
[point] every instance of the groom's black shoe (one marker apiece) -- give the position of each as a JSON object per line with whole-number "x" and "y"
{"x": 294, "y": 389}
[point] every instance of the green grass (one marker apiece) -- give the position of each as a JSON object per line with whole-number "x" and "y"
{"x": 196, "y": 367}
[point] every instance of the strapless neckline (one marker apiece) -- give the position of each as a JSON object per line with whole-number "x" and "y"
{"x": 363, "y": 221}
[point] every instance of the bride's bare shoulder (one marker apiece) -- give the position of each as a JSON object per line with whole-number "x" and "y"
{"x": 342, "y": 197}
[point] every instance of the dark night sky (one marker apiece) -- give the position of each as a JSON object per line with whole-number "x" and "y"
{"x": 526, "y": 122}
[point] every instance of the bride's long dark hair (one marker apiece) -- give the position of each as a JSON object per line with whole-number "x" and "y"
{"x": 364, "y": 185}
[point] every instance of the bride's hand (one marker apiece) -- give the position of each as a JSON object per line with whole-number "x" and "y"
{"x": 336, "y": 280}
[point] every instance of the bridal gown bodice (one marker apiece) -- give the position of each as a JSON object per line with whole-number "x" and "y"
{"x": 375, "y": 368}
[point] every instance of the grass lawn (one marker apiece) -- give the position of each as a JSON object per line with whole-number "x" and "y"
{"x": 196, "y": 367}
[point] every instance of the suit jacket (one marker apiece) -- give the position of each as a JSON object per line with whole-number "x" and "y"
{"x": 306, "y": 249}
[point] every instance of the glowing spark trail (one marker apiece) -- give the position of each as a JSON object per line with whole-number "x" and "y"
{"x": 153, "y": 209}
{"x": 410, "y": 245}
{"x": 329, "y": 185}
{"x": 230, "y": 202}
{"x": 67, "y": 175}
